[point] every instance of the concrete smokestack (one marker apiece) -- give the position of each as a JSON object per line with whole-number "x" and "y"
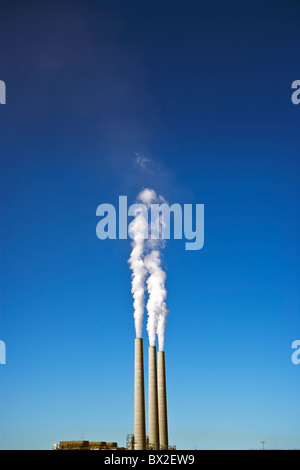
{"x": 153, "y": 401}
{"x": 162, "y": 401}
{"x": 139, "y": 397}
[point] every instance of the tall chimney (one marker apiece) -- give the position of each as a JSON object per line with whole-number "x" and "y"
{"x": 153, "y": 401}
{"x": 139, "y": 397}
{"x": 162, "y": 401}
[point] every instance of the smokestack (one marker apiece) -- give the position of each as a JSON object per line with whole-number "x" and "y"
{"x": 139, "y": 397}
{"x": 153, "y": 401}
{"x": 162, "y": 401}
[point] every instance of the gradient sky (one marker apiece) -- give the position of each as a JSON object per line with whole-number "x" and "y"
{"x": 202, "y": 89}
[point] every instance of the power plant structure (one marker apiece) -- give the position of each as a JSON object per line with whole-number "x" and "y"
{"x": 157, "y": 438}
{"x": 87, "y": 445}
{"x": 153, "y": 401}
{"x": 162, "y": 401}
{"x": 139, "y": 397}
{"x": 157, "y": 396}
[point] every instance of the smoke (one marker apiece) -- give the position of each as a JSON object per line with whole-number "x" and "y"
{"x": 147, "y": 197}
{"x": 156, "y": 306}
{"x": 142, "y": 265}
{"x": 137, "y": 227}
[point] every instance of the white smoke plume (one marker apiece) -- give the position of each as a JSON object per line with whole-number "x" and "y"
{"x": 147, "y": 197}
{"x": 136, "y": 262}
{"x": 156, "y": 306}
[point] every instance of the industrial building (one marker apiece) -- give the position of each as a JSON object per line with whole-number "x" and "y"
{"x": 86, "y": 445}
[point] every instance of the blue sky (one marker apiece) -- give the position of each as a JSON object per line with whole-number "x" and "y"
{"x": 203, "y": 91}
